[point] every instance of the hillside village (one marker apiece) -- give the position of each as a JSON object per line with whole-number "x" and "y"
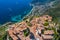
{"x": 33, "y": 27}
{"x": 38, "y": 28}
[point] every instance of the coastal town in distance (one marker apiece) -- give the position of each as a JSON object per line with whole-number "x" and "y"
{"x": 42, "y": 23}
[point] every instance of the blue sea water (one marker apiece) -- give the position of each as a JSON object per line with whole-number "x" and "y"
{"x": 11, "y": 8}
{"x": 14, "y": 10}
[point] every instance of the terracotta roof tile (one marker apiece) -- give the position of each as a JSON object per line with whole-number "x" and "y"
{"x": 49, "y": 32}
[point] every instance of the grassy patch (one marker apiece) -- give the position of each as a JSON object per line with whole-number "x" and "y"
{"x": 25, "y": 18}
{"x": 46, "y": 24}
{"x": 2, "y": 31}
{"x": 26, "y": 32}
{"x": 29, "y": 24}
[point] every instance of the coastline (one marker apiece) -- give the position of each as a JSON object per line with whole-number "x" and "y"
{"x": 27, "y": 15}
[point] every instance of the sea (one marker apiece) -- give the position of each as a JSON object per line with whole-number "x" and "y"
{"x": 15, "y": 10}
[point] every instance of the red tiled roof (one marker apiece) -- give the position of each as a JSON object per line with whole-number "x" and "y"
{"x": 47, "y": 37}
{"x": 49, "y": 32}
{"x": 36, "y": 22}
